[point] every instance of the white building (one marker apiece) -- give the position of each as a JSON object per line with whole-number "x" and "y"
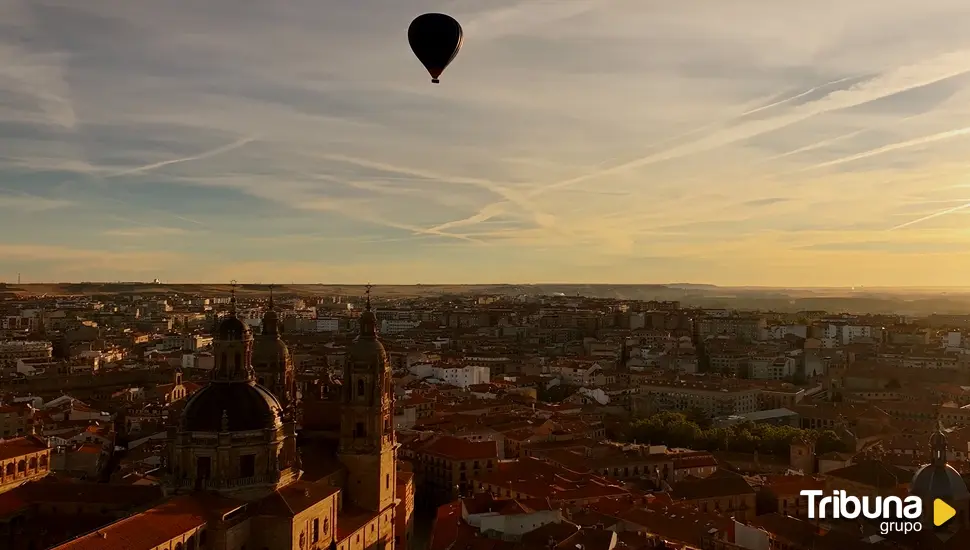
{"x": 778, "y": 368}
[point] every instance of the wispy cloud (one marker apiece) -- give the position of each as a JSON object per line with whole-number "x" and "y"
{"x": 144, "y": 232}
{"x": 29, "y": 203}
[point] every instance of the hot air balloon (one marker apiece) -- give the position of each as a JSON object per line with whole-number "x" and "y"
{"x": 435, "y": 40}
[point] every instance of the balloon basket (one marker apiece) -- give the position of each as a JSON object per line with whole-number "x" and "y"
{"x": 435, "y": 81}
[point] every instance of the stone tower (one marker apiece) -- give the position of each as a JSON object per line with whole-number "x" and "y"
{"x": 367, "y": 443}
{"x": 271, "y": 359}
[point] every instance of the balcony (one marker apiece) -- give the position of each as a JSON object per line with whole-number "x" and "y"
{"x": 233, "y": 483}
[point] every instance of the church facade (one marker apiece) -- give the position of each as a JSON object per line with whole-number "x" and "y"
{"x": 233, "y": 472}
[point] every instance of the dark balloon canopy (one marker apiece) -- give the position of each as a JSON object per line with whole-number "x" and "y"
{"x": 435, "y": 39}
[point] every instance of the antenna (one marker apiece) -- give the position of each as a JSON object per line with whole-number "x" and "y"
{"x": 367, "y": 293}
{"x": 271, "y": 287}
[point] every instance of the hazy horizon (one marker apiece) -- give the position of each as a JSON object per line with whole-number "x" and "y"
{"x": 377, "y": 285}
{"x": 791, "y": 145}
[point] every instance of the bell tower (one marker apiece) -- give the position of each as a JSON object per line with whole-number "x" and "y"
{"x": 271, "y": 358}
{"x": 368, "y": 447}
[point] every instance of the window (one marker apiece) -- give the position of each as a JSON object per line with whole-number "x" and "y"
{"x": 316, "y": 531}
{"x": 247, "y": 466}
{"x": 359, "y": 430}
{"x": 238, "y": 360}
{"x": 360, "y": 388}
{"x": 387, "y": 481}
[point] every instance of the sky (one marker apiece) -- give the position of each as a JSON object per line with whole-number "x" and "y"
{"x": 752, "y": 142}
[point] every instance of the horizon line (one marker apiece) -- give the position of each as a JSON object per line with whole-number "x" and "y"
{"x": 677, "y": 284}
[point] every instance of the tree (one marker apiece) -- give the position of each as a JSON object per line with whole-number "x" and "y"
{"x": 677, "y": 430}
{"x": 699, "y": 417}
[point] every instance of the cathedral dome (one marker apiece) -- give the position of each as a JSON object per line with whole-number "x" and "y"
{"x": 236, "y": 406}
{"x": 938, "y": 479}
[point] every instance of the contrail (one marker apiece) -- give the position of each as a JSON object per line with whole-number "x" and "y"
{"x": 816, "y": 145}
{"x": 749, "y": 112}
{"x": 892, "y": 147}
{"x": 798, "y": 96}
{"x": 890, "y": 83}
{"x": 208, "y": 154}
{"x": 488, "y": 210}
{"x": 963, "y": 206}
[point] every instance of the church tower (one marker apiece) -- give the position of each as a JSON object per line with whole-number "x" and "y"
{"x": 271, "y": 359}
{"x": 368, "y": 446}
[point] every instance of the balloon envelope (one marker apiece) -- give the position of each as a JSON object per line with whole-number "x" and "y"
{"x": 435, "y": 39}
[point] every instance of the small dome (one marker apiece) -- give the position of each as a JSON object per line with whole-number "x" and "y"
{"x": 269, "y": 351}
{"x": 367, "y": 347}
{"x": 247, "y": 407}
{"x": 938, "y": 479}
{"x": 944, "y": 482}
{"x": 271, "y": 323}
{"x": 232, "y": 328}
{"x": 369, "y": 351}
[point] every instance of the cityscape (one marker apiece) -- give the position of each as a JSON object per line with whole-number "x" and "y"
{"x": 484, "y": 275}
{"x": 253, "y": 416}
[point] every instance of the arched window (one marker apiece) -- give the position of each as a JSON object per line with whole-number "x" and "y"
{"x": 359, "y": 430}
{"x": 10, "y": 469}
{"x": 360, "y": 388}
{"x": 33, "y": 463}
{"x": 22, "y": 466}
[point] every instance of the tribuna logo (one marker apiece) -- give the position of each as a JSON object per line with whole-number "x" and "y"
{"x": 897, "y": 514}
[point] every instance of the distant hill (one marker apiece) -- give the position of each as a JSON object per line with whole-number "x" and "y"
{"x": 920, "y": 301}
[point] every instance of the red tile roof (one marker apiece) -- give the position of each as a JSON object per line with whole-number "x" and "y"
{"x": 542, "y": 479}
{"x": 146, "y": 530}
{"x": 454, "y": 448}
{"x": 20, "y": 446}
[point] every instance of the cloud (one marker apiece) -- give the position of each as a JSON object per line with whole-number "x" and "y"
{"x": 145, "y": 232}
{"x": 751, "y": 143}
{"x": 766, "y": 202}
{"x": 82, "y": 258}
{"x": 29, "y": 203}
